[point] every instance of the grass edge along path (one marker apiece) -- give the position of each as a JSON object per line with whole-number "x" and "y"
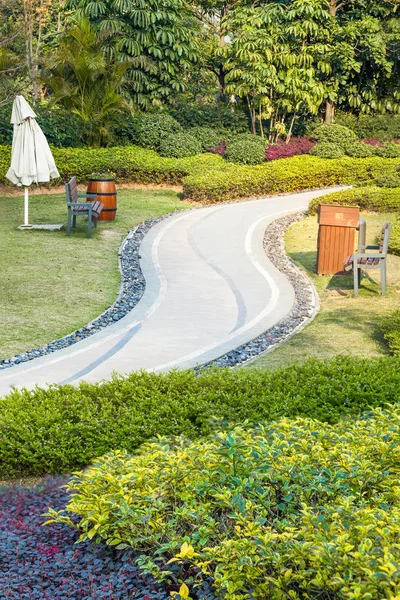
{"x": 53, "y": 284}
{"x": 344, "y": 325}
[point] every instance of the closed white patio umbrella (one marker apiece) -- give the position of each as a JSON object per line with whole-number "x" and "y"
{"x": 31, "y": 157}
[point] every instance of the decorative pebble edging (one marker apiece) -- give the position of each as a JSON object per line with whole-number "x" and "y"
{"x": 132, "y": 289}
{"x": 305, "y": 306}
{"x": 133, "y": 286}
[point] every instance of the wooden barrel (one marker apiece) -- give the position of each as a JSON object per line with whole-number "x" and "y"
{"x": 107, "y": 194}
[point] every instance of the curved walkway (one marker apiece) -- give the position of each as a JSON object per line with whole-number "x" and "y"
{"x": 209, "y": 289}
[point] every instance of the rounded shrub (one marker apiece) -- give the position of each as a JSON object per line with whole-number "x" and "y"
{"x": 390, "y": 326}
{"x": 389, "y": 180}
{"x": 179, "y": 145}
{"x": 394, "y": 247}
{"x": 246, "y": 151}
{"x": 207, "y": 136}
{"x": 334, "y": 134}
{"x": 367, "y": 198}
{"x": 149, "y": 130}
{"x": 290, "y": 509}
{"x": 390, "y": 150}
{"x": 218, "y": 115}
{"x": 359, "y": 150}
{"x": 327, "y": 150}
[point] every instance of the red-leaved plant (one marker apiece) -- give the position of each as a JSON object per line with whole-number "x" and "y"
{"x": 297, "y": 145}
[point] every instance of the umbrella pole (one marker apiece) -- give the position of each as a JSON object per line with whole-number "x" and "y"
{"x": 26, "y": 207}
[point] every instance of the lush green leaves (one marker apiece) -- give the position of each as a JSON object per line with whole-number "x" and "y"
{"x": 289, "y": 509}
{"x": 153, "y": 35}
{"x": 284, "y": 175}
{"x": 60, "y": 429}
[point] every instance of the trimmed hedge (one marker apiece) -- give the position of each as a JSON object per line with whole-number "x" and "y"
{"x": 390, "y": 327}
{"x": 130, "y": 163}
{"x": 284, "y": 175}
{"x": 367, "y": 198}
{"x": 61, "y": 429}
{"x": 247, "y": 151}
{"x": 327, "y": 150}
{"x": 291, "y": 509}
{"x": 179, "y": 145}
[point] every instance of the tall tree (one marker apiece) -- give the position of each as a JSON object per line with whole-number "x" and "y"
{"x": 82, "y": 80}
{"x": 154, "y": 35}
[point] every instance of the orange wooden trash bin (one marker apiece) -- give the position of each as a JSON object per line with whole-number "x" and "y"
{"x": 337, "y": 225}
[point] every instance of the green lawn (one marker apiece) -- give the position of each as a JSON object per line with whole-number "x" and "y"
{"x": 51, "y": 284}
{"x": 344, "y": 325}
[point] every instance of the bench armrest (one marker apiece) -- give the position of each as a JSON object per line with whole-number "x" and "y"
{"x": 362, "y": 248}
{"x": 72, "y": 204}
{"x": 94, "y": 196}
{"x": 366, "y": 255}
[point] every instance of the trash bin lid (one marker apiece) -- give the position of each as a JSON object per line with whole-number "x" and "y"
{"x": 341, "y": 216}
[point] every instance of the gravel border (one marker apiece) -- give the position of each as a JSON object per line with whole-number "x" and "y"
{"x": 133, "y": 285}
{"x": 305, "y": 308}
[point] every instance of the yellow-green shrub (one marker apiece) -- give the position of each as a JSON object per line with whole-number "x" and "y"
{"x": 130, "y": 163}
{"x": 284, "y": 175}
{"x": 375, "y": 198}
{"x": 390, "y": 327}
{"x": 291, "y": 509}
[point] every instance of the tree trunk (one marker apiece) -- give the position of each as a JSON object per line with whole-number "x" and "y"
{"x": 332, "y": 8}
{"x": 252, "y": 116}
{"x": 329, "y": 112}
{"x": 222, "y": 84}
{"x": 289, "y": 135}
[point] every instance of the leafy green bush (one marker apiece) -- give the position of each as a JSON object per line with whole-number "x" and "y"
{"x": 179, "y": 145}
{"x": 217, "y": 116}
{"x": 208, "y": 137}
{"x": 367, "y": 198}
{"x": 390, "y": 326}
{"x": 57, "y": 430}
{"x": 394, "y": 241}
{"x": 291, "y": 509}
{"x": 327, "y": 150}
{"x": 129, "y": 163}
{"x": 284, "y": 175}
{"x": 62, "y": 129}
{"x": 248, "y": 151}
{"x": 390, "y": 150}
{"x": 334, "y": 134}
{"x": 392, "y": 180}
{"x": 150, "y": 129}
{"x": 383, "y": 127}
{"x": 359, "y": 150}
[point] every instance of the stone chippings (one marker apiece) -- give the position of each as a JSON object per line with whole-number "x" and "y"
{"x": 304, "y": 305}
{"x": 132, "y": 289}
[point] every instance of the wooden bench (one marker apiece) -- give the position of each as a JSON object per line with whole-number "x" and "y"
{"x": 76, "y": 208}
{"x": 366, "y": 260}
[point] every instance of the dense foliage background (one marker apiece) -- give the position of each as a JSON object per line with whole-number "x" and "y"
{"x": 90, "y": 66}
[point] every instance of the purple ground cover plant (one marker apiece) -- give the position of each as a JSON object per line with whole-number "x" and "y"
{"x": 43, "y": 563}
{"x": 297, "y": 145}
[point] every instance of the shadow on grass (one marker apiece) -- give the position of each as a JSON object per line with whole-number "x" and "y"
{"x": 340, "y": 282}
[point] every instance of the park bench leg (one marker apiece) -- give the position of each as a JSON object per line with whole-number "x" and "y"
{"x": 383, "y": 277}
{"x": 95, "y": 221}
{"x": 356, "y": 274}
{"x": 69, "y": 222}
{"x": 90, "y": 225}
{"x": 74, "y": 221}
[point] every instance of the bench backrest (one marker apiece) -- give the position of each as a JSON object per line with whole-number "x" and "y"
{"x": 71, "y": 190}
{"x": 384, "y": 241}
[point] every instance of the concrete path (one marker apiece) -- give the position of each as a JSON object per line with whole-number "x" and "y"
{"x": 209, "y": 288}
